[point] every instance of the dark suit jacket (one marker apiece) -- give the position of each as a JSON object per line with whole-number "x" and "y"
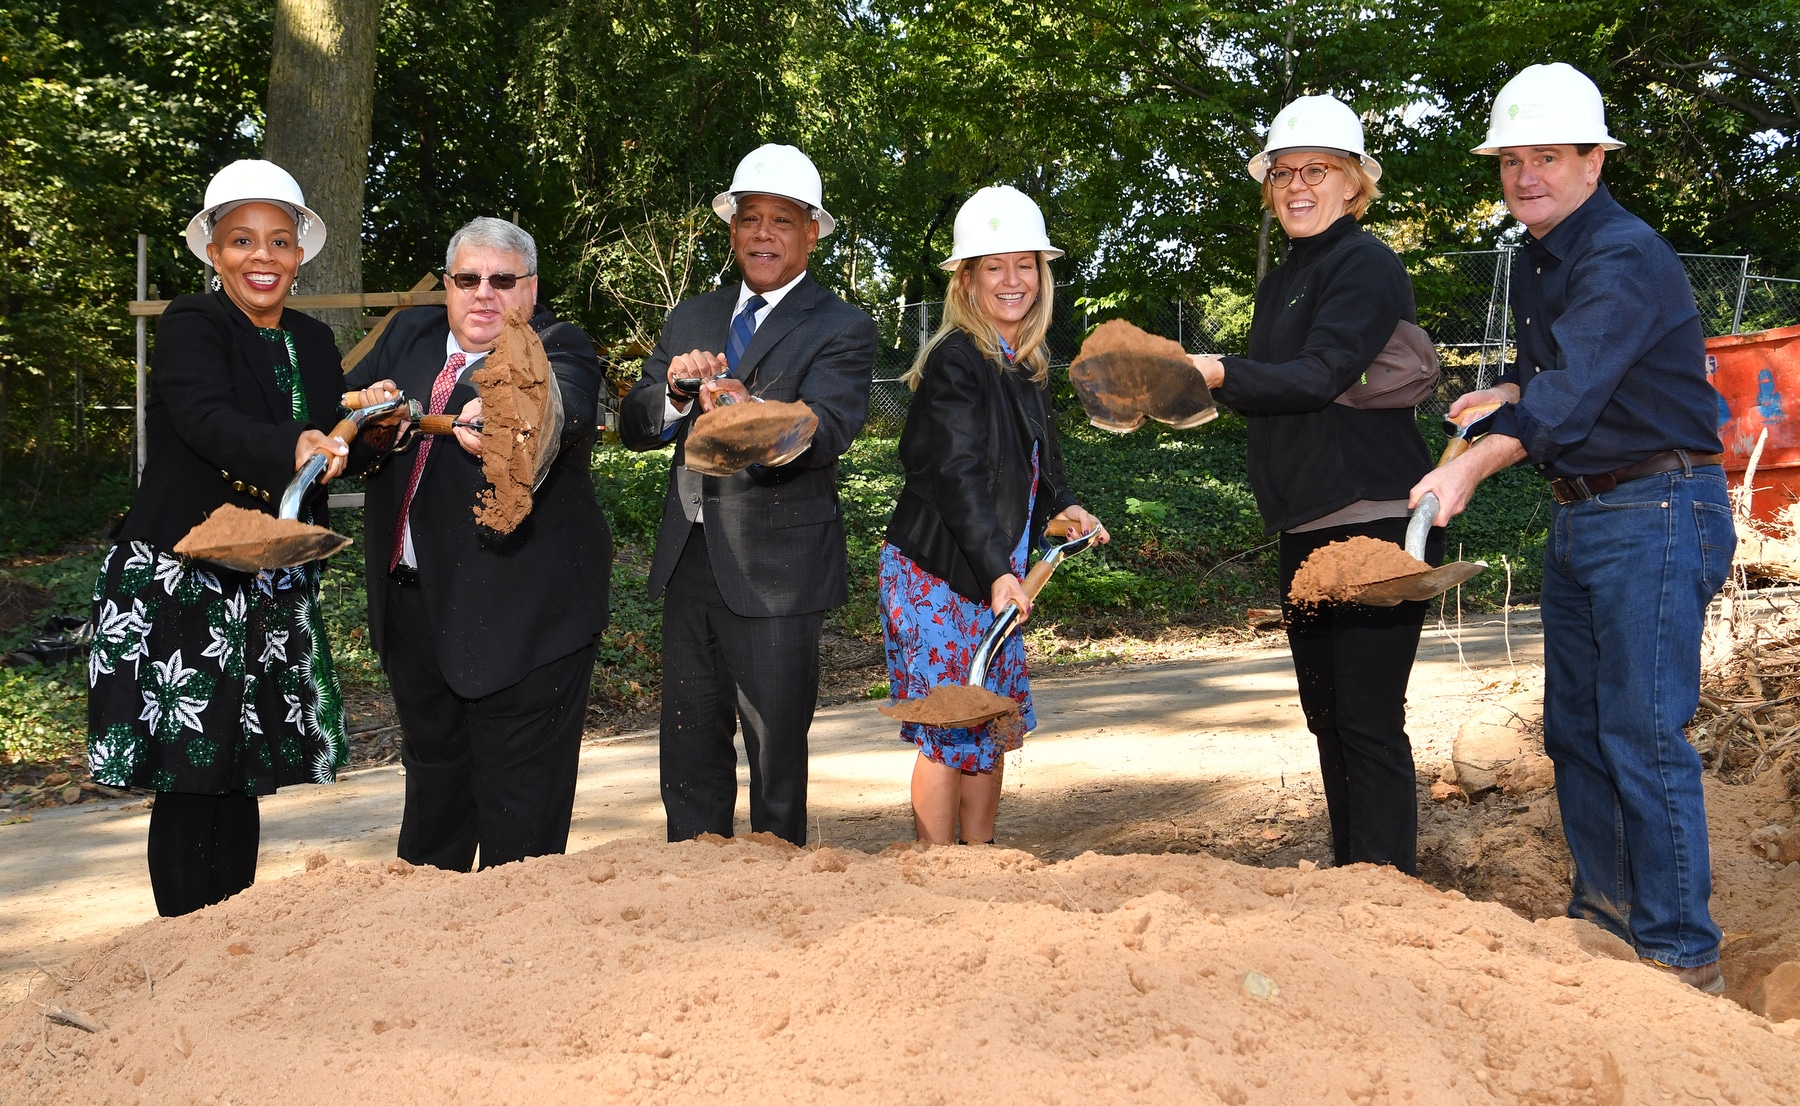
{"x": 501, "y": 606}
{"x": 218, "y": 428}
{"x": 967, "y": 453}
{"x": 774, "y": 535}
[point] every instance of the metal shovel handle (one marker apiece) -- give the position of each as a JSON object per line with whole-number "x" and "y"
{"x": 308, "y": 474}
{"x": 1034, "y": 583}
{"x": 1419, "y": 524}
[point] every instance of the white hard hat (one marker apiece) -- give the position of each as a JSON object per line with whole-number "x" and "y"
{"x": 1548, "y": 105}
{"x": 246, "y": 180}
{"x": 777, "y": 170}
{"x": 1314, "y": 123}
{"x": 998, "y": 219}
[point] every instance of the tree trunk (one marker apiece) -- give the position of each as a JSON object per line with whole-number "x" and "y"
{"x": 320, "y": 109}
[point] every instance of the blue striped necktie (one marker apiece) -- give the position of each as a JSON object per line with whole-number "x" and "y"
{"x": 743, "y": 328}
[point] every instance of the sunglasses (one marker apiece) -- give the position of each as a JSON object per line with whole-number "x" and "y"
{"x": 500, "y": 282}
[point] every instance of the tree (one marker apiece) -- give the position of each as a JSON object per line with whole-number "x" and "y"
{"x": 319, "y": 109}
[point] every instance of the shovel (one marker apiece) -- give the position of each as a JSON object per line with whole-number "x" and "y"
{"x": 1124, "y": 375}
{"x": 1417, "y": 585}
{"x": 971, "y": 703}
{"x": 732, "y": 436}
{"x": 251, "y": 541}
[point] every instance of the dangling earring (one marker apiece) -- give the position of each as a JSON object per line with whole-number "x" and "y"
{"x": 294, "y": 288}
{"x": 217, "y": 283}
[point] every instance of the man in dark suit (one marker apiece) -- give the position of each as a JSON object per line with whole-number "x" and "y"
{"x": 488, "y": 641}
{"x": 748, "y": 564}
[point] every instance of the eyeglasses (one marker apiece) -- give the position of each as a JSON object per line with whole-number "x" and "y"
{"x": 500, "y": 282}
{"x": 1281, "y": 176}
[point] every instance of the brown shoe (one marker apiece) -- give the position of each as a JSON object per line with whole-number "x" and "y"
{"x": 1707, "y": 978}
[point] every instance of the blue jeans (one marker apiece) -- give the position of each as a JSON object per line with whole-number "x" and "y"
{"x": 1627, "y": 578}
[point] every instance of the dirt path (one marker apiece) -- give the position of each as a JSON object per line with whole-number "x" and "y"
{"x": 1176, "y": 756}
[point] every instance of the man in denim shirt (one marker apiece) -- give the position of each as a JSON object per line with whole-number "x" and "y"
{"x": 1609, "y": 400}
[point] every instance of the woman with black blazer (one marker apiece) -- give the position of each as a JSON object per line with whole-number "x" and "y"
{"x": 207, "y": 685}
{"x": 983, "y": 475}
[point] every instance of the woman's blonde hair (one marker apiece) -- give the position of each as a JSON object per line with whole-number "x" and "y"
{"x": 1367, "y": 191}
{"x": 960, "y": 313}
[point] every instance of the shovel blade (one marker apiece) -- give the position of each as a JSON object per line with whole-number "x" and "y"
{"x": 727, "y": 440}
{"x": 1121, "y": 388}
{"x": 951, "y": 705}
{"x": 1419, "y": 586}
{"x": 284, "y": 552}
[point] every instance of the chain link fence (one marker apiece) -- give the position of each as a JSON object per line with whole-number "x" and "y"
{"x": 1463, "y": 301}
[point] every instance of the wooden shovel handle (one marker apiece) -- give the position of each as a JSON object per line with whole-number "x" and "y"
{"x": 438, "y": 424}
{"x": 344, "y": 431}
{"x": 1037, "y": 577}
{"x": 1456, "y": 448}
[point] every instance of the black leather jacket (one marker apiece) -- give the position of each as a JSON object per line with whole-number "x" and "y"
{"x": 966, "y": 448}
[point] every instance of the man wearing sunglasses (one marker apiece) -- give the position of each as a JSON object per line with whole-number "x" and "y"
{"x": 488, "y": 641}
{"x": 747, "y": 565}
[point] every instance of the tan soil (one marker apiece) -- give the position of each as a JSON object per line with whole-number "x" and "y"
{"x": 1123, "y": 375}
{"x": 1334, "y": 572}
{"x": 1120, "y": 336}
{"x": 514, "y": 382}
{"x": 734, "y": 437}
{"x": 950, "y": 705}
{"x": 249, "y": 540}
{"x": 749, "y": 971}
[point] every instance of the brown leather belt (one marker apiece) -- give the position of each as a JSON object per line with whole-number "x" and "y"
{"x": 1575, "y": 489}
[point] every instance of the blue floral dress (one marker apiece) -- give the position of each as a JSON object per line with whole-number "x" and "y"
{"x": 931, "y": 633}
{"x": 206, "y": 680}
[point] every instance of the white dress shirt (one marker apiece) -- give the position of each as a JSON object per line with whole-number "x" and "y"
{"x": 451, "y": 348}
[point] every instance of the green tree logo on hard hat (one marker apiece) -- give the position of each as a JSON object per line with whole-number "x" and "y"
{"x": 993, "y": 224}
{"x": 1512, "y": 112}
{"x": 1293, "y": 121}
{"x": 759, "y": 166}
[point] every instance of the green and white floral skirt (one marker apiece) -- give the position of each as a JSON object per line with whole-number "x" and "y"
{"x": 209, "y": 681}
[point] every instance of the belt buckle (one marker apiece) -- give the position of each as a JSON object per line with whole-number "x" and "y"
{"x": 1571, "y": 489}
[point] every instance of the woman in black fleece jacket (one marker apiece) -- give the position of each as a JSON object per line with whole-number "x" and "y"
{"x": 1324, "y": 471}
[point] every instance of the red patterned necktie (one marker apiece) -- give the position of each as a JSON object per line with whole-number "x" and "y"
{"x": 440, "y": 397}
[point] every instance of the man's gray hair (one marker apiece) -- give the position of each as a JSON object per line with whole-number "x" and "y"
{"x": 495, "y": 234}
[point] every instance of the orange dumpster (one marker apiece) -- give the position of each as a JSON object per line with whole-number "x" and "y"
{"x": 1757, "y": 376}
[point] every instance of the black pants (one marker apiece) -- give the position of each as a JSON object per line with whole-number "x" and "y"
{"x": 202, "y": 849}
{"x": 1353, "y": 663}
{"x": 498, "y": 771}
{"x": 719, "y": 667}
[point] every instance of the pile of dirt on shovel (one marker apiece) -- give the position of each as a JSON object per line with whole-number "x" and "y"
{"x": 750, "y": 971}
{"x": 515, "y": 383}
{"x": 248, "y": 537}
{"x": 1122, "y": 336}
{"x": 948, "y": 705}
{"x": 1333, "y": 573}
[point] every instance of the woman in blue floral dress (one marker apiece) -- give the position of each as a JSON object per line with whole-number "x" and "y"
{"x": 983, "y": 475}
{"x": 208, "y": 685}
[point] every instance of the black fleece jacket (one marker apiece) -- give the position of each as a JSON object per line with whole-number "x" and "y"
{"x": 1321, "y": 317}
{"x": 966, "y": 448}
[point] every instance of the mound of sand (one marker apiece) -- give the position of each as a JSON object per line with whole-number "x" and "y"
{"x": 1335, "y": 572}
{"x": 754, "y": 972}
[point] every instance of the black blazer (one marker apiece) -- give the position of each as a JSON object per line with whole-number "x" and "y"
{"x": 774, "y": 535}
{"x": 966, "y": 448}
{"x": 501, "y": 606}
{"x": 218, "y": 429}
